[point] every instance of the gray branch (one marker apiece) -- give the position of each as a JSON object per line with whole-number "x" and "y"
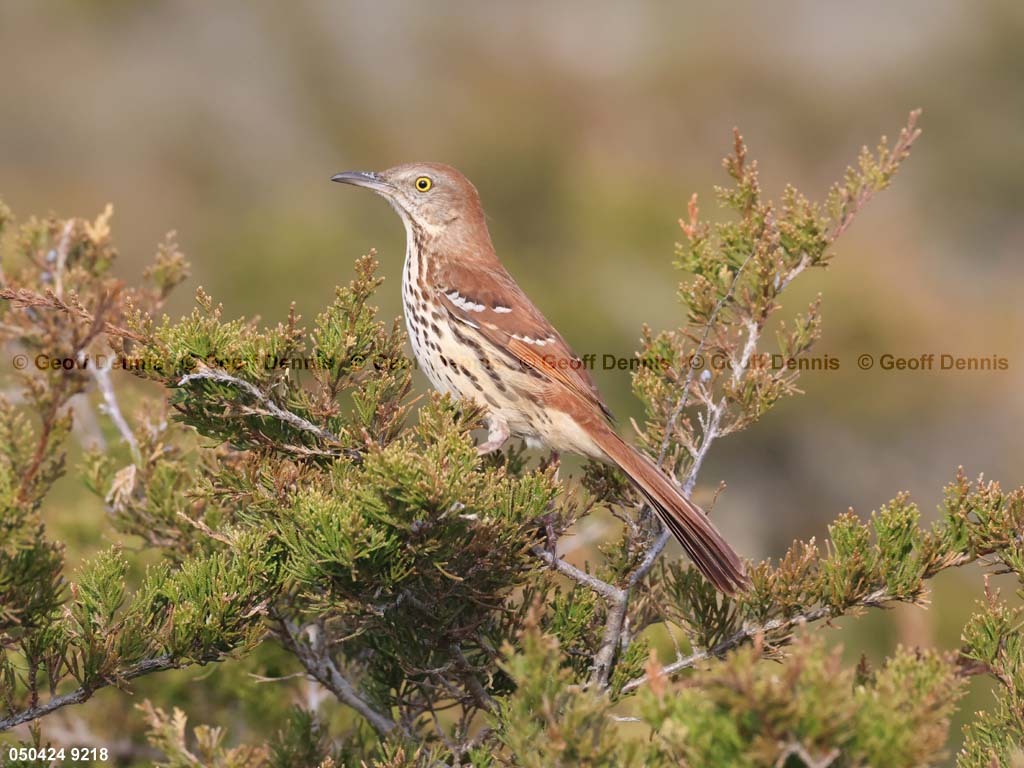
{"x": 84, "y": 693}
{"x": 267, "y": 407}
{"x": 62, "y": 258}
{"x": 874, "y": 599}
{"x": 603, "y": 588}
{"x": 615, "y": 621}
{"x": 684, "y": 396}
{"x": 711, "y": 429}
{"x": 318, "y": 663}
{"x": 272, "y": 408}
{"x": 480, "y": 695}
{"x": 101, "y": 375}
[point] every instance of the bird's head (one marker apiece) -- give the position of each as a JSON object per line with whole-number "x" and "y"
{"x": 431, "y": 195}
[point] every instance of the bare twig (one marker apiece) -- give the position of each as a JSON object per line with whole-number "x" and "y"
{"x": 79, "y": 695}
{"x": 58, "y": 400}
{"x": 480, "y": 695}
{"x": 710, "y": 433}
{"x": 680, "y": 406}
{"x": 795, "y": 749}
{"x": 272, "y": 408}
{"x": 801, "y": 265}
{"x": 476, "y": 740}
{"x": 610, "y": 641}
{"x": 314, "y": 656}
{"x": 24, "y": 298}
{"x": 615, "y": 620}
{"x": 712, "y": 424}
{"x": 264, "y": 679}
{"x": 747, "y": 633}
{"x": 874, "y": 599}
{"x": 603, "y": 588}
{"x": 101, "y": 375}
{"x": 62, "y": 258}
{"x": 268, "y": 408}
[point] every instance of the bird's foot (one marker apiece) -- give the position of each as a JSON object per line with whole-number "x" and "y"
{"x": 497, "y": 435}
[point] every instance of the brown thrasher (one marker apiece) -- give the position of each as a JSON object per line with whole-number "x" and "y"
{"x": 477, "y": 336}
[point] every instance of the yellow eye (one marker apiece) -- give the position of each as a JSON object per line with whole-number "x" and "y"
{"x": 423, "y": 183}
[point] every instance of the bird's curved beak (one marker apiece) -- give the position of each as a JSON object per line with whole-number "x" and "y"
{"x": 366, "y": 179}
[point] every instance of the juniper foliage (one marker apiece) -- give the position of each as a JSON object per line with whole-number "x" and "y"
{"x": 287, "y": 494}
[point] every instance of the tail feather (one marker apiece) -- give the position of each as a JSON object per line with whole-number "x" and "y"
{"x": 688, "y": 523}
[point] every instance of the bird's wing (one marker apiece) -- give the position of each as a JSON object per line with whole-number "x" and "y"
{"x": 489, "y": 301}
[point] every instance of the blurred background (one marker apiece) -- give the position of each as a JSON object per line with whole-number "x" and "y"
{"x": 585, "y": 126}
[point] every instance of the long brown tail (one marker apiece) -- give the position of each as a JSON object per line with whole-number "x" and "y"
{"x": 691, "y": 526}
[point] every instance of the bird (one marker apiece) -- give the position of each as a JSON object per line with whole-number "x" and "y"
{"x": 478, "y": 337}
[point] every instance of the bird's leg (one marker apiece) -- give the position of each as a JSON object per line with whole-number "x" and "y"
{"x": 497, "y": 435}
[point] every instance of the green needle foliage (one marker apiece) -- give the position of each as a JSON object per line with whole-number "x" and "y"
{"x": 285, "y": 507}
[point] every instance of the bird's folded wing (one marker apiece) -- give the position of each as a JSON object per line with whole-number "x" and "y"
{"x": 490, "y": 302}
